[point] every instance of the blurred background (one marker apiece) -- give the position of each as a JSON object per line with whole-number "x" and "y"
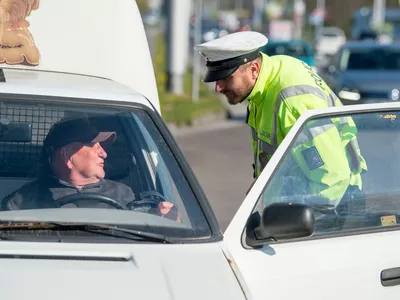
{"x": 332, "y": 36}
{"x": 353, "y": 45}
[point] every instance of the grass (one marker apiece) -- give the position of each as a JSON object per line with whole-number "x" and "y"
{"x": 180, "y": 109}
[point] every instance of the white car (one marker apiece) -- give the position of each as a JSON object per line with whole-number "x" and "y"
{"x": 89, "y": 246}
{"x": 328, "y": 41}
{"x": 362, "y": 245}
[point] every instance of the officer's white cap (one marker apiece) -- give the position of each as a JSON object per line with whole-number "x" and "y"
{"x": 224, "y": 55}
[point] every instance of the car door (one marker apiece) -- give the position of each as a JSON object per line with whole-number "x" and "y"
{"x": 283, "y": 249}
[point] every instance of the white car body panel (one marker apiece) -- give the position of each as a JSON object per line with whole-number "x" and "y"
{"x": 345, "y": 267}
{"x": 42, "y": 83}
{"x": 116, "y": 271}
{"x": 329, "y": 40}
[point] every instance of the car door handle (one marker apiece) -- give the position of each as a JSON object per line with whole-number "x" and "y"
{"x": 390, "y": 277}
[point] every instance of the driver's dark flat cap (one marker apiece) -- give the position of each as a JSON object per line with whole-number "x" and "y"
{"x": 70, "y": 131}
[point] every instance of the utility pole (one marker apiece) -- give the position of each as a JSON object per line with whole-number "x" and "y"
{"x": 178, "y": 12}
{"x": 378, "y": 13}
{"x": 196, "y": 56}
{"x": 258, "y": 12}
{"x": 321, "y": 8}
{"x": 299, "y": 9}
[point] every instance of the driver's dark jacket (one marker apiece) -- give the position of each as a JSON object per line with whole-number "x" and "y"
{"x": 43, "y": 192}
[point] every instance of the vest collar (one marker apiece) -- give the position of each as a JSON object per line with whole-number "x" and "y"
{"x": 266, "y": 77}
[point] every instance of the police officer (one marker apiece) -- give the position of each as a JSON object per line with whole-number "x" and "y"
{"x": 278, "y": 90}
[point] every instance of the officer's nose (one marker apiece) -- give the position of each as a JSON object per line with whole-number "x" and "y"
{"x": 218, "y": 86}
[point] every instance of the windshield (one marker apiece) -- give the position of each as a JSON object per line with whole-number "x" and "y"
{"x": 318, "y": 176}
{"x": 295, "y": 49}
{"x": 107, "y": 165}
{"x": 370, "y": 59}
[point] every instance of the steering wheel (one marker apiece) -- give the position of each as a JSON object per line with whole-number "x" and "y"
{"x": 147, "y": 200}
{"x": 74, "y": 198}
{"x": 326, "y": 209}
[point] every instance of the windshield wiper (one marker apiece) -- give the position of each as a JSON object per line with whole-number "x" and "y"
{"x": 147, "y": 236}
{"x": 112, "y": 230}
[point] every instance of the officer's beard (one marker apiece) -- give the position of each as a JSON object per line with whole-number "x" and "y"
{"x": 238, "y": 94}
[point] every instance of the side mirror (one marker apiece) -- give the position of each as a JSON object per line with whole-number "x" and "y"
{"x": 279, "y": 222}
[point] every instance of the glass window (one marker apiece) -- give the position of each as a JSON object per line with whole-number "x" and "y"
{"x": 371, "y": 59}
{"x": 115, "y": 152}
{"x": 317, "y": 171}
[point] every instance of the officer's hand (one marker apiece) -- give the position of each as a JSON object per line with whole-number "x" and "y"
{"x": 168, "y": 210}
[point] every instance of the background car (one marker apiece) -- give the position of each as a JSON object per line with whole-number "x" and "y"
{"x": 327, "y": 42}
{"x": 365, "y": 72}
{"x": 300, "y": 49}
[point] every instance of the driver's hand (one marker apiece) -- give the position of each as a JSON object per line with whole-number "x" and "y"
{"x": 168, "y": 210}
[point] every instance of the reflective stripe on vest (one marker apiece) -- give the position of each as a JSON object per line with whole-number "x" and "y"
{"x": 298, "y": 90}
{"x": 314, "y": 129}
{"x": 317, "y": 128}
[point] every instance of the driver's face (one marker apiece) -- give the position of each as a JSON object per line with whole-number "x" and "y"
{"x": 88, "y": 161}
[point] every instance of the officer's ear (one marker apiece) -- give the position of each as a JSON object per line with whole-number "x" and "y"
{"x": 255, "y": 67}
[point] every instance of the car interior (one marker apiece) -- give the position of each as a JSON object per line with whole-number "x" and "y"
{"x": 23, "y": 129}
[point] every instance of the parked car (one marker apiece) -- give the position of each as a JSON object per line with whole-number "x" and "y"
{"x": 365, "y": 72}
{"x": 327, "y": 43}
{"x": 300, "y": 49}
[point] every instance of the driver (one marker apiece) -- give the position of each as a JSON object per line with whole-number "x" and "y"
{"x": 75, "y": 153}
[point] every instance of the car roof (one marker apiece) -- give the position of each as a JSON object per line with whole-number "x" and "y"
{"x": 57, "y": 84}
{"x": 390, "y": 12}
{"x": 287, "y": 42}
{"x": 369, "y": 44}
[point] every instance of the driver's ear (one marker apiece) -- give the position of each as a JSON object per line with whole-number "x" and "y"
{"x": 66, "y": 157}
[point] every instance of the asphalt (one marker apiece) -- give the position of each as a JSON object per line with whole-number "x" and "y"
{"x": 220, "y": 156}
